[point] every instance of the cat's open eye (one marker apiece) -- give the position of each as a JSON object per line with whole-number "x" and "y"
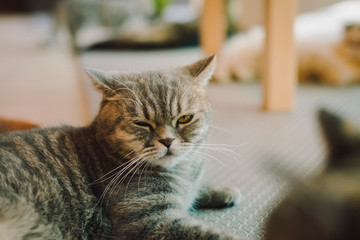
{"x": 143, "y": 124}
{"x": 185, "y": 119}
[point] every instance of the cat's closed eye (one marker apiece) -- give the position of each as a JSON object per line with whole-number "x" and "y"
{"x": 143, "y": 124}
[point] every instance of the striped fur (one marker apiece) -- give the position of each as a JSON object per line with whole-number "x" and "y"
{"x": 134, "y": 173}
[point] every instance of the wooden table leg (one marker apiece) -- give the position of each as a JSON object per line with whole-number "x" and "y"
{"x": 280, "y": 65}
{"x": 213, "y": 26}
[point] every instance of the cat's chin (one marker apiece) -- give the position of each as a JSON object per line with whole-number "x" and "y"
{"x": 168, "y": 160}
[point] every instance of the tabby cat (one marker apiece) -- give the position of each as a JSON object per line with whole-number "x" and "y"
{"x": 327, "y": 207}
{"x": 134, "y": 173}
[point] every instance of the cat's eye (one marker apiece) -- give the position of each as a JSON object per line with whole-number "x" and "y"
{"x": 185, "y": 119}
{"x": 143, "y": 124}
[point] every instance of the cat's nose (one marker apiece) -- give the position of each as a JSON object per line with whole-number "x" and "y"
{"x": 167, "y": 141}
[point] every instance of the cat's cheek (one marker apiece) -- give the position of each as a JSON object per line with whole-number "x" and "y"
{"x": 136, "y": 146}
{"x": 177, "y": 147}
{"x": 130, "y": 142}
{"x": 191, "y": 131}
{"x": 195, "y": 135}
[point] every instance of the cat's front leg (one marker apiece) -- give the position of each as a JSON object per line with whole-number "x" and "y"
{"x": 172, "y": 225}
{"x": 219, "y": 197}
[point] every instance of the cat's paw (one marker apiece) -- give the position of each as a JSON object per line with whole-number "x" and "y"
{"x": 219, "y": 197}
{"x": 226, "y": 197}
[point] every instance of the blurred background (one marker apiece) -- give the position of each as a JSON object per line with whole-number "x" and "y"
{"x": 44, "y": 45}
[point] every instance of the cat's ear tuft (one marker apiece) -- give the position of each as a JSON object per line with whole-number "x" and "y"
{"x": 202, "y": 71}
{"x": 99, "y": 79}
{"x": 342, "y": 137}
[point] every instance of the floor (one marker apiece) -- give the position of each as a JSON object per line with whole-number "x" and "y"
{"x": 38, "y": 83}
{"x": 252, "y": 147}
{"x": 262, "y": 145}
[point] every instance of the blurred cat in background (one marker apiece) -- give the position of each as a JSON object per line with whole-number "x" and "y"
{"x": 332, "y": 63}
{"x": 327, "y": 60}
{"x": 327, "y": 207}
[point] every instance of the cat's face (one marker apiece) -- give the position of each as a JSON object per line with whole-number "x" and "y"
{"x": 157, "y": 117}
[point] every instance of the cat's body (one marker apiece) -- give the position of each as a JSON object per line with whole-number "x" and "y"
{"x": 328, "y": 206}
{"x": 134, "y": 173}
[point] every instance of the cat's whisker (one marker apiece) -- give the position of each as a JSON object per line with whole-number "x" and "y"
{"x": 219, "y": 128}
{"x": 145, "y": 168}
{"x": 211, "y": 156}
{"x": 139, "y": 159}
{"x": 106, "y": 177}
{"x": 211, "y": 163}
{"x": 133, "y": 170}
{"x": 220, "y": 144}
{"x": 214, "y": 147}
{"x": 149, "y": 157}
{"x": 230, "y": 152}
{"x": 234, "y": 155}
{"x": 108, "y": 186}
{"x": 116, "y": 177}
{"x": 138, "y": 166}
{"x": 225, "y": 148}
{"x": 134, "y": 163}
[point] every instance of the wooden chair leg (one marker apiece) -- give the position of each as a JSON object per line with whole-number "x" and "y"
{"x": 280, "y": 66}
{"x": 212, "y": 26}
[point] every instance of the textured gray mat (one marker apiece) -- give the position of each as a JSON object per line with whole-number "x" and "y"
{"x": 264, "y": 142}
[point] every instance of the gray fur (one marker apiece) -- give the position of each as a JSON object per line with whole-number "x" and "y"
{"x": 117, "y": 178}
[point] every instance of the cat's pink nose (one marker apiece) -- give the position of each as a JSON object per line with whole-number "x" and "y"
{"x": 167, "y": 141}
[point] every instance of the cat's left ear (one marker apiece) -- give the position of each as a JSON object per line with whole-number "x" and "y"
{"x": 202, "y": 71}
{"x": 101, "y": 80}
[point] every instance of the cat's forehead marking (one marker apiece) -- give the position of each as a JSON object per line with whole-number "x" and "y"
{"x": 162, "y": 97}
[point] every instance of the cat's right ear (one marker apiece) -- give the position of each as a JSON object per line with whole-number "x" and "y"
{"x": 342, "y": 138}
{"x": 202, "y": 71}
{"x": 101, "y": 80}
